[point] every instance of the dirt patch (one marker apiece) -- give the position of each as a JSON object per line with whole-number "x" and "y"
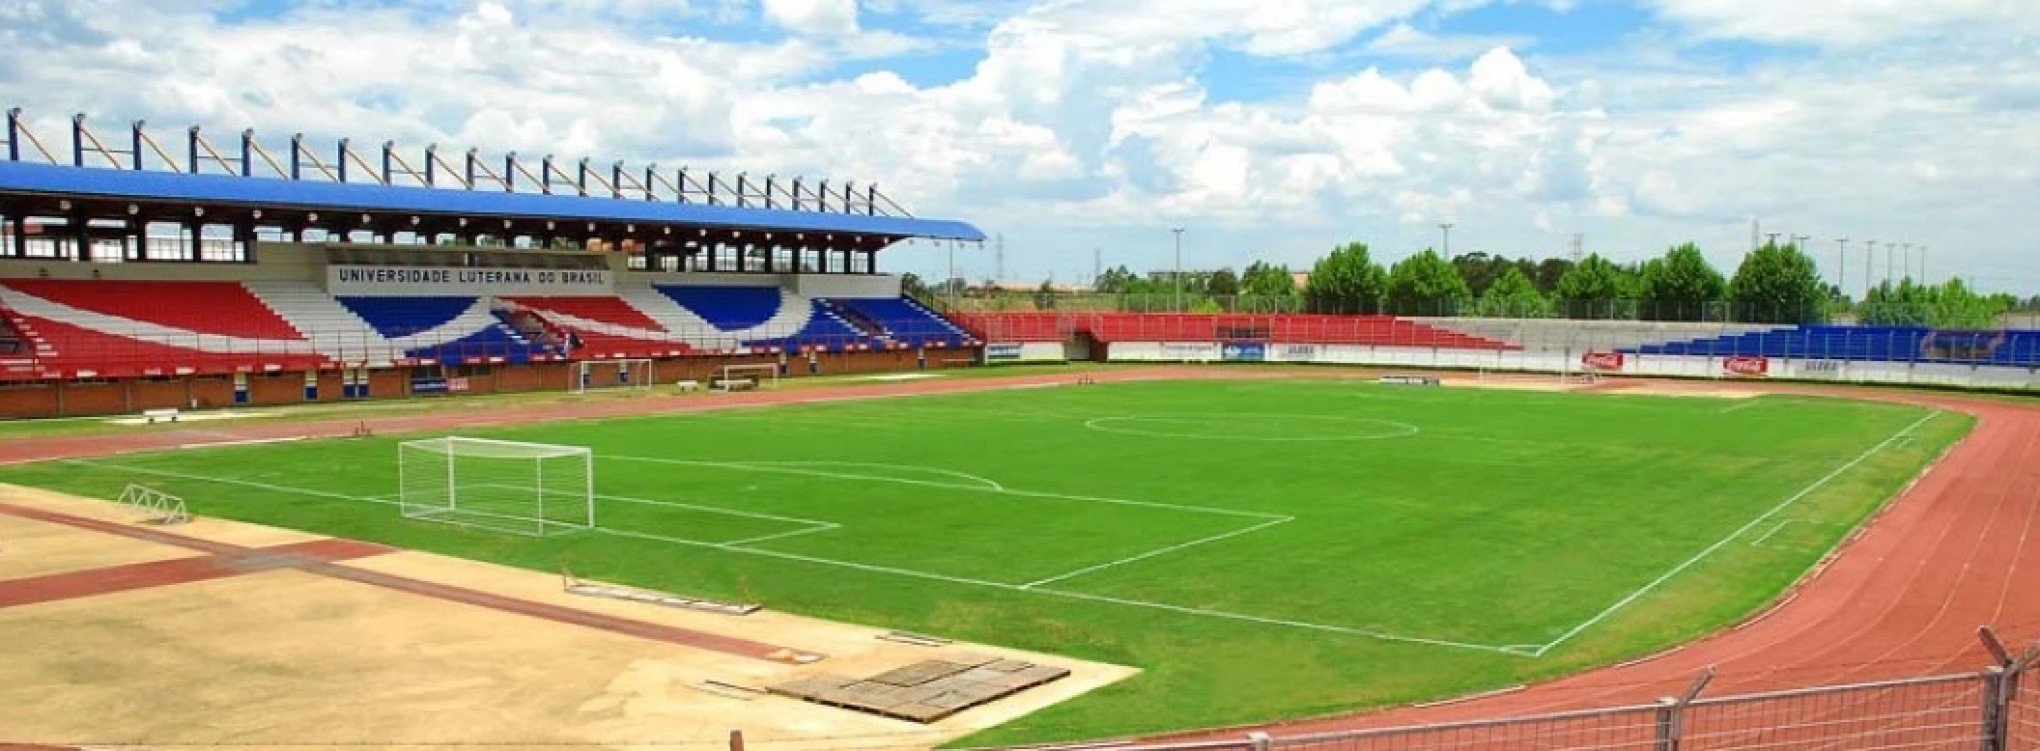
{"x": 273, "y": 647}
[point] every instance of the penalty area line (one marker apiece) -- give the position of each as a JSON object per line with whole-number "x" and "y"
{"x": 1158, "y": 551}
{"x": 739, "y": 547}
{"x": 1733, "y": 536}
{"x": 1067, "y": 594}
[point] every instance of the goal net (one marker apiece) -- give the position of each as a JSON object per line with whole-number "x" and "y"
{"x": 635, "y": 374}
{"x": 534, "y": 489}
{"x": 736, "y": 377}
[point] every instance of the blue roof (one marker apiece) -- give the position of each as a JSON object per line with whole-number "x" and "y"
{"x": 91, "y": 182}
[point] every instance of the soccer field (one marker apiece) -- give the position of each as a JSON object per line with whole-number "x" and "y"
{"x": 1260, "y": 548}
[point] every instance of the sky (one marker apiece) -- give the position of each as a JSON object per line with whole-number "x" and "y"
{"x": 1081, "y": 129}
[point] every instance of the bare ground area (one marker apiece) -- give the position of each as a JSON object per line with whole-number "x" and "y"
{"x": 280, "y": 638}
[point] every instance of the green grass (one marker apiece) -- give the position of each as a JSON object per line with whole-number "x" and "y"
{"x": 1260, "y": 549}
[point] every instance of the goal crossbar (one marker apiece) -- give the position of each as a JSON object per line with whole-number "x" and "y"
{"x": 637, "y": 373}
{"x": 533, "y": 489}
{"x": 762, "y": 374}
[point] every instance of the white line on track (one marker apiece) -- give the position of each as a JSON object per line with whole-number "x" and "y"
{"x": 739, "y": 547}
{"x": 1732, "y": 536}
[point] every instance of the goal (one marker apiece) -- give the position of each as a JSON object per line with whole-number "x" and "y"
{"x": 734, "y": 377}
{"x": 533, "y": 489}
{"x": 634, "y": 373}
{"x": 1579, "y": 375}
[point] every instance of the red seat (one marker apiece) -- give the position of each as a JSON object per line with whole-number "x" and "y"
{"x": 609, "y": 310}
{"x": 221, "y": 308}
{"x": 61, "y": 350}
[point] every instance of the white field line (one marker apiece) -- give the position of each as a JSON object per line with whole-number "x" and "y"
{"x": 953, "y": 486}
{"x": 1157, "y": 551}
{"x": 781, "y": 535}
{"x": 1145, "y": 604}
{"x": 891, "y": 570}
{"x": 986, "y": 481}
{"x": 1745, "y": 404}
{"x": 1782, "y": 524}
{"x": 1732, "y": 536}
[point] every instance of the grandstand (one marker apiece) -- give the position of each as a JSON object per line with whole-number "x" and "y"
{"x": 120, "y": 265}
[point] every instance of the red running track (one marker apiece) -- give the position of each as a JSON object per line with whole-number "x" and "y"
{"x": 1903, "y": 599}
{"x": 1960, "y": 549}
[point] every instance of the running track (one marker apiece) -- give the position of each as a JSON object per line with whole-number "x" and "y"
{"x": 1904, "y": 598}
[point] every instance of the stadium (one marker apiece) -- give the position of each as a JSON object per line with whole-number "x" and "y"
{"x": 318, "y": 447}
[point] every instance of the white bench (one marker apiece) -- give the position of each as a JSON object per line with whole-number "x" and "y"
{"x": 688, "y": 386}
{"x": 165, "y": 414}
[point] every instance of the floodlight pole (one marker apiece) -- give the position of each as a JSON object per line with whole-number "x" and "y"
{"x": 1445, "y": 246}
{"x": 1179, "y": 268}
{"x": 1842, "y": 265}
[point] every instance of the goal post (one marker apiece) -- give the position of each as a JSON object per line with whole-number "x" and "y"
{"x": 635, "y": 373}
{"x": 755, "y": 376}
{"x": 534, "y": 489}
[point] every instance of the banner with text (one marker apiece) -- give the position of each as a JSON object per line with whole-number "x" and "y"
{"x": 1753, "y": 367}
{"x": 430, "y": 281}
{"x": 1605, "y": 361}
{"x": 1244, "y": 352}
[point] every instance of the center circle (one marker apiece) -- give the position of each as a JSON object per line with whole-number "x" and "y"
{"x": 1254, "y": 427}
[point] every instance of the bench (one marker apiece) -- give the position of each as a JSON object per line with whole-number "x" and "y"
{"x": 733, "y": 384}
{"x": 165, "y": 414}
{"x": 687, "y": 386}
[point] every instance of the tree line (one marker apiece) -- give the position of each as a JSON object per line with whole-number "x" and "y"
{"x": 1772, "y": 284}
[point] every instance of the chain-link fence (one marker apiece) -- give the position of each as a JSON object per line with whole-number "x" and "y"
{"x": 1717, "y": 311}
{"x": 1968, "y": 712}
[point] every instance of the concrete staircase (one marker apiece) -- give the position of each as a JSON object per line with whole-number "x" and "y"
{"x": 332, "y": 329}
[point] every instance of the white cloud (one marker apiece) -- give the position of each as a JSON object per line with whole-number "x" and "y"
{"x": 1085, "y": 123}
{"x": 1405, "y": 41}
{"x": 1845, "y": 22}
{"x": 825, "y": 17}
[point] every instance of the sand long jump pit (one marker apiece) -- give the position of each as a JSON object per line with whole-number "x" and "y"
{"x": 218, "y": 634}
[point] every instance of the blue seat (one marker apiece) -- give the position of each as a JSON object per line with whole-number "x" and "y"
{"x": 907, "y": 322}
{"x": 403, "y": 316}
{"x": 727, "y": 307}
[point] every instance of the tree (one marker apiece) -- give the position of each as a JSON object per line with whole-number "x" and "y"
{"x": 1044, "y": 295}
{"x": 1592, "y": 288}
{"x": 1268, "y": 280}
{"x": 912, "y": 286}
{"x": 1426, "y": 284}
{"x": 1547, "y": 273}
{"x": 1347, "y": 280}
{"x": 1116, "y": 280}
{"x": 1949, "y": 305}
{"x": 1222, "y": 283}
{"x": 1513, "y": 295}
{"x": 1681, "y": 286}
{"x": 1479, "y": 269}
{"x": 1778, "y": 284}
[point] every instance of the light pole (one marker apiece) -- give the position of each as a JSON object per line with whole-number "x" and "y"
{"x": 1446, "y": 229}
{"x": 951, "y": 281}
{"x": 1842, "y": 265}
{"x": 1179, "y": 268}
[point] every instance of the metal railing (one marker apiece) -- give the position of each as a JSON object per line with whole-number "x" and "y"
{"x": 1981, "y": 711}
{"x": 1827, "y": 342}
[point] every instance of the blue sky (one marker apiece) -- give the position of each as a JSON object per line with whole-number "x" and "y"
{"x": 1272, "y": 129}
